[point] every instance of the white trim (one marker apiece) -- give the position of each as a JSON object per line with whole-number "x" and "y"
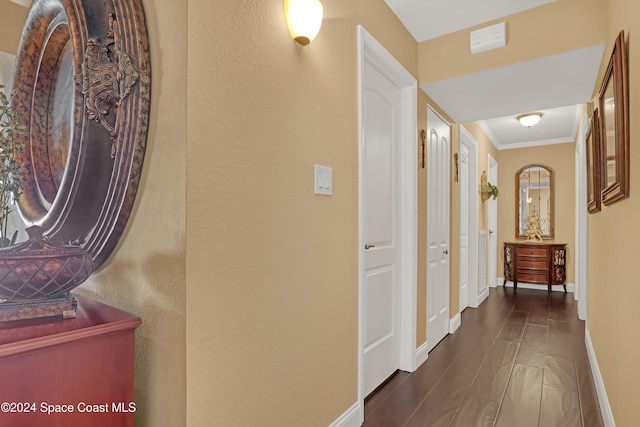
{"x": 492, "y": 248}
{"x": 581, "y": 263}
{"x": 537, "y": 143}
{"x": 472, "y": 204}
{"x": 351, "y": 418}
{"x": 576, "y": 118}
{"x": 605, "y": 407}
{"x": 483, "y": 296}
{"x": 524, "y": 285}
{"x": 372, "y": 52}
{"x": 487, "y": 132}
{"x": 454, "y": 323}
{"x": 422, "y": 354}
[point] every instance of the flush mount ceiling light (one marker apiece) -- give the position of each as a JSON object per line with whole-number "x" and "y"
{"x": 304, "y": 18}
{"x": 530, "y": 119}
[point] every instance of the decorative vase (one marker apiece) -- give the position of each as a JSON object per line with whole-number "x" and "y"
{"x": 38, "y": 270}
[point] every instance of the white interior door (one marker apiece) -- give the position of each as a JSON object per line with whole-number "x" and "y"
{"x": 492, "y": 222}
{"x": 468, "y": 257}
{"x": 463, "y": 256}
{"x": 438, "y": 194}
{"x": 382, "y": 297}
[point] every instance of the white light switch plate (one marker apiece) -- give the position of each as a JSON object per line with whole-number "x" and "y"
{"x": 323, "y": 180}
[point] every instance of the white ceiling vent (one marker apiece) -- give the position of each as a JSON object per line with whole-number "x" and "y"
{"x": 489, "y": 38}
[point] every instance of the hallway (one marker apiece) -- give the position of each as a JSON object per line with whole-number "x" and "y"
{"x": 518, "y": 360}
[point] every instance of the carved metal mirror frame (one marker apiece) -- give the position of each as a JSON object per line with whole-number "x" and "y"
{"x": 83, "y": 86}
{"x": 547, "y": 224}
{"x": 614, "y": 125}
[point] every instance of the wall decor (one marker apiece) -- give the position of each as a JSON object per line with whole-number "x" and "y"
{"x": 535, "y": 194}
{"x": 594, "y": 164}
{"x": 83, "y": 90}
{"x": 423, "y": 137}
{"x": 614, "y": 125}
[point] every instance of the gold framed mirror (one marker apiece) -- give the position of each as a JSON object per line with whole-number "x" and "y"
{"x": 614, "y": 125}
{"x": 535, "y": 195}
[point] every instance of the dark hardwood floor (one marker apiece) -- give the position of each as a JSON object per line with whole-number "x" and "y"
{"x": 518, "y": 360}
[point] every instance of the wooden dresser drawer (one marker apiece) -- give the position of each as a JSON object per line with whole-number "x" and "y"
{"x": 537, "y": 263}
{"x": 531, "y": 251}
{"x": 534, "y": 263}
{"x": 532, "y": 276}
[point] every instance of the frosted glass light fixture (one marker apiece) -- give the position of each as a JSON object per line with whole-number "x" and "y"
{"x": 304, "y": 18}
{"x": 530, "y": 119}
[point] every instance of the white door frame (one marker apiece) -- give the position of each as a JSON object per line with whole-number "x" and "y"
{"x": 373, "y": 53}
{"x": 472, "y": 205}
{"x": 582, "y": 225}
{"x": 492, "y": 257}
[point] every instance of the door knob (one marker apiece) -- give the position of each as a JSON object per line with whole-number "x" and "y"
{"x": 490, "y": 232}
{"x": 446, "y": 251}
{"x": 367, "y": 247}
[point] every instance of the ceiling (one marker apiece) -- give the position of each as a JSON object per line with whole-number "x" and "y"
{"x": 493, "y": 98}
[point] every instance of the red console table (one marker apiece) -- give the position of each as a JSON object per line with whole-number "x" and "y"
{"x": 75, "y": 372}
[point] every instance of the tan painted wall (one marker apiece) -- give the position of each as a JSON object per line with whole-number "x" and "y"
{"x": 560, "y": 158}
{"x": 485, "y": 147}
{"x": 454, "y": 226}
{"x": 13, "y": 17}
{"x": 567, "y": 24}
{"x": 272, "y": 289}
{"x": 146, "y": 273}
{"x": 613, "y": 315}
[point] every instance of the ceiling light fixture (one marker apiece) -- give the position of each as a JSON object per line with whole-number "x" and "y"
{"x": 529, "y": 119}
{"x": 304, "y": 18}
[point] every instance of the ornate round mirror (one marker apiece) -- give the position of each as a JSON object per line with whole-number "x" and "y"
{"x": 535, "y": 196}
{"x": 83, "y": 92}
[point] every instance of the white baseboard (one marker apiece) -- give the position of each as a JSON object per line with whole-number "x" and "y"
{"x": 605, "y": 407}
{"x": 351, "y": 418}
{"x": 483, "y": 296}
{"x": 454, "y": 323}
{"x": 521, "y": 285}
{"x": 421, "y": 355}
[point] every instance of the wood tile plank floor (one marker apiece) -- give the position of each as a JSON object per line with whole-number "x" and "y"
{"x": 518, "y": 360}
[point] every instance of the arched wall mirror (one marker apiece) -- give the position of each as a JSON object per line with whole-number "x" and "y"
{"x": 535, "y": 196}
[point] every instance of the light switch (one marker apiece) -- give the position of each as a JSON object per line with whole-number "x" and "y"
{"x": 323, "y": 180}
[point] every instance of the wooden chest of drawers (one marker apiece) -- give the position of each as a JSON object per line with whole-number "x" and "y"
{"x": 537, "y": 263}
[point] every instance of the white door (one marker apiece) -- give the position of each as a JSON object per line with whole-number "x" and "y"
{"x": 438, "y": 149}
{"x": 464, "y": 255}
{"x": 492, "y": 222}
{"x": 469, "y": 180}
{"x": 382, "y": 298}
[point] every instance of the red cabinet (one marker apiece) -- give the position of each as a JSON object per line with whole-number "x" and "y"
{"x": 56, "y": 372}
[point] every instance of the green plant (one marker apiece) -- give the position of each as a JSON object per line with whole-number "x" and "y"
{"x": 491, "y": 189}
{"x": 13, "y": 135}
